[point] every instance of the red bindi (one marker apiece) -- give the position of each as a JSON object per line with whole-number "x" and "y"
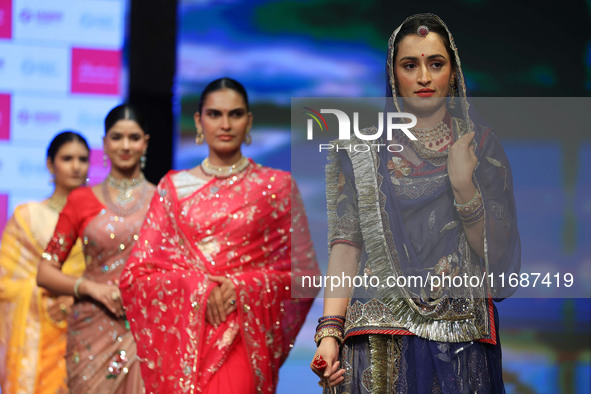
{"x": 422, "y": 54}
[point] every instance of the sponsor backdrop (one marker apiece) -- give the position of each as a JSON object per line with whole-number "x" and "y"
{"x": 337, "y": 48}
{"x": 61, "y": 68}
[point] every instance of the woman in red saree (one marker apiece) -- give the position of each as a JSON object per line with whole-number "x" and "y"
{"x": 208, "y": 286}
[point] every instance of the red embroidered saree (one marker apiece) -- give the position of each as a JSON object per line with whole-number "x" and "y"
{"x": 240, "y": 227}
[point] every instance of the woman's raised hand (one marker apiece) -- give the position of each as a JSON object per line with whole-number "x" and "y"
{"x": 461, "y": 162}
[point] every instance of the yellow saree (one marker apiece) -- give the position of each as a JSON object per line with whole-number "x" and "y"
{"x": 32, "y": 344}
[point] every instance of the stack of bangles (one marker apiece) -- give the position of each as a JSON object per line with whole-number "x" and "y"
{"x": 472, "y": 211}
{"x": 330, "y": 326}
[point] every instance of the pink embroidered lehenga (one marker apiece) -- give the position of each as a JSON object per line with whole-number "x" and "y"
{"x": 101, "y": 353}
{"x": 240, "y": 227}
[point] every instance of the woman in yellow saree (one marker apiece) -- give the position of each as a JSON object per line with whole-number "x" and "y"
{"x": 33, "y": 322}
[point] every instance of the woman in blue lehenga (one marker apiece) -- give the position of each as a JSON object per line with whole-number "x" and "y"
{"x": 442, "y": 207}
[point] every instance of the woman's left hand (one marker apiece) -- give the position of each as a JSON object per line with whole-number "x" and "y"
{"x": 228, "y": 291}
{"x": 461, "y": 162}
{"x": 58, "y": 308}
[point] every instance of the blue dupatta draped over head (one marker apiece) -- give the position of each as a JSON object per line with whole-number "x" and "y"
{"x": 399, "y": 209}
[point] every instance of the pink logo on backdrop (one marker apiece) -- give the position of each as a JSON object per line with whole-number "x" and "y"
{"x": 42, "y": 17}
{"x": 4, "y": 117}
{"x": 95, "y": 71}
{"x": 25, "y": 15}
{"x": 5, "y": 18}
{"x": 97, "y": 171}
{"x": 3, "y": 211}
{"x": 42, "y": 118}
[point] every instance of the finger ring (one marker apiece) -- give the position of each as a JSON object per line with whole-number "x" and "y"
{"x": 232, "y": 302}
{"x": 115, "y": 295}
{"x": 319, "y": 363}
{"x": 63, "y": 308}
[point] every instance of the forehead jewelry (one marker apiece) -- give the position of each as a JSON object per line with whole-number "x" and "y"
{"x": 422, "y": 31}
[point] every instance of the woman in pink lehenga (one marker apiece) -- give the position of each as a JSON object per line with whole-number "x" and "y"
{"x": 208, "y": 286}
{"x": 101, "y": 353}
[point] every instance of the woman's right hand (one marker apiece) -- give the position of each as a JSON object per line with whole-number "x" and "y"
{"x": 215, "y": 313}
{"x": 329, "y": 351}
{"x": 108, "y": 295}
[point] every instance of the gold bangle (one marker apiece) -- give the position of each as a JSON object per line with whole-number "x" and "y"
{"x": 77, "y": 285}
{"x": 469, "y": 203}
{"x": 467, "y": 209}
{"x": 328, "y": 332}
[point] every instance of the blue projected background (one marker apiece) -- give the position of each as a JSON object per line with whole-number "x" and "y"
{"x": 284, "y": 49}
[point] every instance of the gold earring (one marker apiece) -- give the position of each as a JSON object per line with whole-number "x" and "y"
{"x": 452, "y": 95}
{"x": 200, "y": 138}
{"x": 248, "y": 137}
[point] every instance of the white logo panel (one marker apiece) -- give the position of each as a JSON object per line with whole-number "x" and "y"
{"x": 79, "y": 22}
{"x": 34, "y": 68}
{"x": 39, "y": 119}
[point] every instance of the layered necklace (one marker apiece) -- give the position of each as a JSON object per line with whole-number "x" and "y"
{"x": 125, "y": 197}
{"x": 224, "y": 172}
{"x": 56, "y": 202}
{"x": 438, "y": 136}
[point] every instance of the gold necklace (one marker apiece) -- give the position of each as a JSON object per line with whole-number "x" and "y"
{"x": 125, "y": 187}
{"x": 437, "y": 134}
{"x": 56, "y": 202}
{"x": 426, "y": 137}
{"x": 224, "y": 172}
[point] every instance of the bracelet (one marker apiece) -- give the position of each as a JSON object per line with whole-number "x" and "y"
{"x": 77, "y": 285}
{"x": 473, "y": 217}
{"x": 337, "y": 323}
{"x": 336, "y": 333}
{"x": 337, "y": 326}
{"x": 332, "y": 317}
{"x": 476, "y": 195}
{"x": 472, "y": 211}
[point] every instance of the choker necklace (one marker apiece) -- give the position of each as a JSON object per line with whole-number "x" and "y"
{"x": 437, "y": 135}
{"x": 224, "y": 172}
{"x": 125, "y": 187}
{"x": 56, "y": 202}
{"x": 434, "y": 136}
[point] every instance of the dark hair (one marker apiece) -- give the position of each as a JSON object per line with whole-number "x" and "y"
{"x": 219, "y": 84}
{"x": 411, "y": 25}
{"x": 63, "y": 138}
{"x": 124, "y": 112}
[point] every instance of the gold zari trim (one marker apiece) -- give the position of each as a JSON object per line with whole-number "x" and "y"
{"x": 404, "y": 312}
